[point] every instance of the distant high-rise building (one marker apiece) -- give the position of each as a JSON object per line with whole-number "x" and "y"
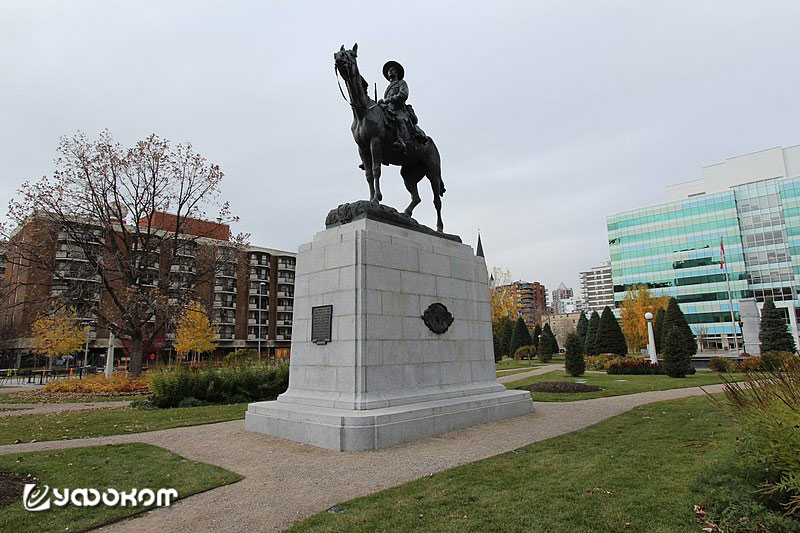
{"x": 561, "y": 294}
{"x": 597, "y": 288}
{"x": 530, "y": 299}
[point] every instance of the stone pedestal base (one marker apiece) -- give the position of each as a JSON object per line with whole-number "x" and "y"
{"x": 350, "y": 430}
{"x": 402, "y": 346}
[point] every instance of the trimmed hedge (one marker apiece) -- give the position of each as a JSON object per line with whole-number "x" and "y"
{"x": 234, "y": 384}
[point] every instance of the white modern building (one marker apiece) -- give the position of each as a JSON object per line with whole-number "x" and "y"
{"x": 597, "y": 288}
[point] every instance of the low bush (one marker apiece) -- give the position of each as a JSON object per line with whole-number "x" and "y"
{"x": 720, "y": 364}
{"x": 748, "y": 364}
{"x": 119, "y": 383}
{"x": 777, "y": 360}
{"x": 240, "y": 357}
{"x": 598, "y": 362}
{"x": 230, "y": 384}
{"x": 767, "y": 407}
{"x": 633, "y": 366}
{"x": 525, "y": 352}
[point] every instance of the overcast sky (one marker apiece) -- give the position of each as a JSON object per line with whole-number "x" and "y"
{"x": 548, "y": 115}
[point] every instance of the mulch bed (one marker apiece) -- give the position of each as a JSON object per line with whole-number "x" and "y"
{"x": 11, "y": 487}
{"x": 562, "y": 386}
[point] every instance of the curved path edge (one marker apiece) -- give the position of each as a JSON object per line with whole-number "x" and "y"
{"x": 286, "y": 481}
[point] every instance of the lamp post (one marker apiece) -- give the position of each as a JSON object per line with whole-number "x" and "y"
{"x": 261, "y": 287}
{"x": 651, "y": 338}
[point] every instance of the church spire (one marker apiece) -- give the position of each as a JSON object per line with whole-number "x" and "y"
{"x": 479, "y": 250}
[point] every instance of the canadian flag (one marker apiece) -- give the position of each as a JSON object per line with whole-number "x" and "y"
{"x": 722, "y": 249}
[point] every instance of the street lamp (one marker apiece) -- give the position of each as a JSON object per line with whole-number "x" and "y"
{"x": 261, "y": 288}
{"x": 651, "y": 338}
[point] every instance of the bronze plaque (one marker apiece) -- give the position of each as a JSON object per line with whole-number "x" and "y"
{"x": 321, "y": 324}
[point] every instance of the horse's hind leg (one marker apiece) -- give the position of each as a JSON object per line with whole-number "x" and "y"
{"x": 375, "y": 152}
{"x": 434, "y": 173}
{"x": 412, "y": 174}
{"x": 366, "y": 160}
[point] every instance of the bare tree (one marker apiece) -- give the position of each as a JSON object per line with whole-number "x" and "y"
{"x": 129, "y": 222}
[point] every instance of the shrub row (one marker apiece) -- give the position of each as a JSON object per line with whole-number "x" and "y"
{"x": 120, "y": 383}
{"x": 631, "y": 366}
{"x": 233, "y": 384}
{"x": 763, "y": 363}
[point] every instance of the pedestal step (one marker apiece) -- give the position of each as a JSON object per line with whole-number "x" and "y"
{"x": 352, "y": 430}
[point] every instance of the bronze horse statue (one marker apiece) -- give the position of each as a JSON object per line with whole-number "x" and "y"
{"x": 375, "y": 139}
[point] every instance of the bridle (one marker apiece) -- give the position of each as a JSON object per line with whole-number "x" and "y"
{"x": 336, "y": 71}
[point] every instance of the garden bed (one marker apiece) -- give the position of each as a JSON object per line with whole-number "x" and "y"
{"x": 562, "y": 386}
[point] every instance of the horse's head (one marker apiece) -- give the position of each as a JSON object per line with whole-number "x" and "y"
{"x": 345, "y": 61}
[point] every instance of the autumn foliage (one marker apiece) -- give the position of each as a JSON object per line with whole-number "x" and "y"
{"x": 194, "y": 334}
{"x": 638, "y": 301}
{"x": 57, "y": 333}
{"x": 120, "y": 383}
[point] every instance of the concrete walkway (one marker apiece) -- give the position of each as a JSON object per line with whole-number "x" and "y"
{"x": 533, "y": 372}
{"x": 43, "y": 408}
{"x": 286, "y": 481}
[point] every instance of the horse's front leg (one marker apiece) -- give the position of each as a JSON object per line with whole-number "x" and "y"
{"x": 375, "y": 153}
{"x": 366, "y": 164}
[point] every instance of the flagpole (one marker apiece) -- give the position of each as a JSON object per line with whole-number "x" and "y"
{"x": 730, "y": 299}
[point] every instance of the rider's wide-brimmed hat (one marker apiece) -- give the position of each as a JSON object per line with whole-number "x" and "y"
{"x": 400, "y": 70}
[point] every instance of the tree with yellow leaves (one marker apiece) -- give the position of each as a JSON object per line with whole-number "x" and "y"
{"x": 194, "y": 334}
{"x": 637, "y": 302}
{"x": 501, "y": 295}
{"x": 57, "y": 333}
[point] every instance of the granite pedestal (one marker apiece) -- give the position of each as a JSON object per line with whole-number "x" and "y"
{"x": 384, "y": 377}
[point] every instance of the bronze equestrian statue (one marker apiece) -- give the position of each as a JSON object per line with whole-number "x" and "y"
{"x": 386, "y": 132}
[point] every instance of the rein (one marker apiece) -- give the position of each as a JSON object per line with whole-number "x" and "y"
{"x": 336, "y": 71}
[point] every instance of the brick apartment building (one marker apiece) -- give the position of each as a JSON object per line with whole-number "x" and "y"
{"x": 530, "y": 300}
{"x": 248, "y": 290}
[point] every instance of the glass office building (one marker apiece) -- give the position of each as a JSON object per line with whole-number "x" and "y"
{"x": 674, "y": 248}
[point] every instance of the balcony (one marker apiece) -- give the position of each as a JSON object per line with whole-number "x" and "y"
{"x": 225, "y": 336}
{"x": 225, "y": 304}
{"x": 284, "y": 308}
{"x": 285, "y": 280}
{"x": 283, "y": 337}
{"x": 181, "y": 268}
{"x": 225, "y": 288}
{"x": 286, "y": 266}
{"x": 284, "y": 323}
{"x": 258, "y": 277}
{"x": 253, "y": 306}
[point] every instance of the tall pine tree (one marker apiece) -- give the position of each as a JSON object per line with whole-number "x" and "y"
{"x": 583, "y": 327}
{"x": 658, "y": 328}
{"x": 537, "y": 334}
{"x": 506, "y": 330}
{"x": 609, "y": 337}
{"x": 548, "y": 346}
{"x": 773, "y": 334}
{"x": 573, "y": 355}
{"x": 674, "y": 318}
{"x": 677, "y": 360}
{"x": 591, "y": 333}
{"x": 519, "y": 338}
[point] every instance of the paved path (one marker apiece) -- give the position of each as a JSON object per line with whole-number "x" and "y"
{"x": 286, "y": 481}
{"x": 42, "y": 408}
{"x": 534, "y": 372}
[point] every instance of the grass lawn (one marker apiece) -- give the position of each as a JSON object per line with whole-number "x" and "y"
{"x": 102, "y": 422}
{"x": 120, "y": 466}
{"x": 32, "y": 397}
{"x": 612, "y": 387}
{"x": 634, "y": 472}
{"x": 515, "y": 371}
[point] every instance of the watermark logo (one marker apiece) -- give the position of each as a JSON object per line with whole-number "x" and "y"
{"x": 36, "y": 498}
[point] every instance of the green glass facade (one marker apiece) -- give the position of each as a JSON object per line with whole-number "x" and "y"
{"x": 674, "y": 249}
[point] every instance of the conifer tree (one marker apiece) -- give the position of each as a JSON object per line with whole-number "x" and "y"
{"x": 674, "y": 318}
{"x": 773, "y": 334}
{"x": 573, "y": 357}
{"x": 677, "y": 359}
{"x": 520, "y": 337}
{"x": 591, "y": 334}
{"x": 658, "y": 328}
{"x": 583, "y": 327}
{"x": 609, "y": 337}
{"x": 537, "y": 334}
{"x": 548, "y": 346}
{"x": 506, "y": 330}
